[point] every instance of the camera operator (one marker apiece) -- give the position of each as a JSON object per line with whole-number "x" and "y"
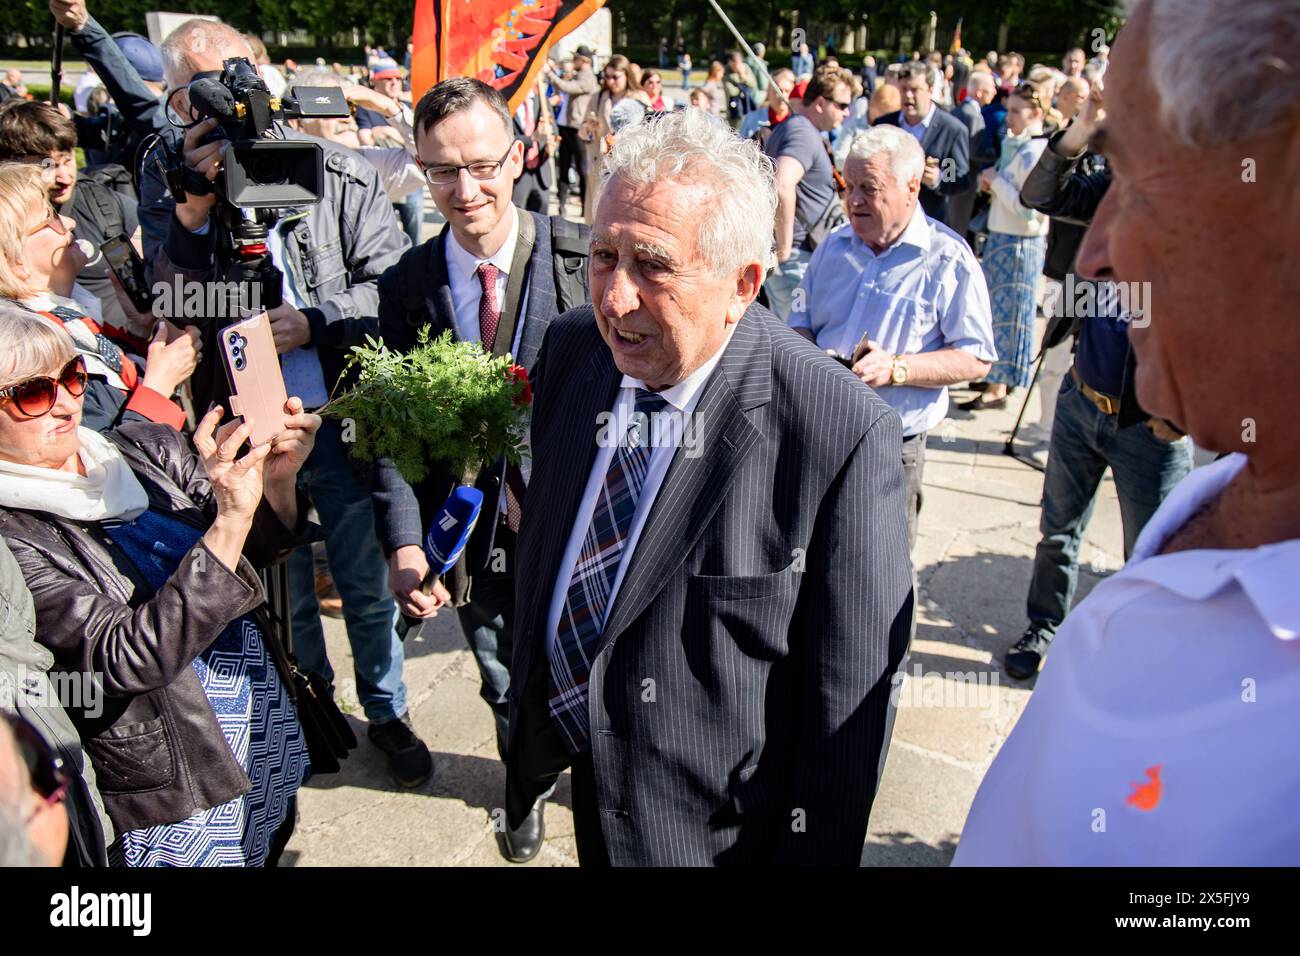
{"x": 331, "y": 254}
{"x": 399, "y": 170}
{"x": 1098, "y": 421}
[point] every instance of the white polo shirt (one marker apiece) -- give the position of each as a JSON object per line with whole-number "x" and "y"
{"x": 1165, "y": 727}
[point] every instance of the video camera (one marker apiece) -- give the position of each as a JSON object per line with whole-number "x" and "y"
{"x": 259, "y": 172}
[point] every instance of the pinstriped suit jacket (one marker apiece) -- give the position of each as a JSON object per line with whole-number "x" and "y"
{"x": 768, "y": 599}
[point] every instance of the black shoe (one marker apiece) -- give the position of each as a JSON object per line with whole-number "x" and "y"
{"x": 980, "y": 403}
{"x": 521, "y": 845}
{"x": 408, "y": 757}
{"x": 1025, "y": 659}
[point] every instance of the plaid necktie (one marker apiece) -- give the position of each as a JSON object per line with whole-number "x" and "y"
{"x": 489, "y": 310}
{"x": 585, "y": 606}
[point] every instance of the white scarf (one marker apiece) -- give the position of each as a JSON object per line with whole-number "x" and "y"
{"x": 108, "y": 490}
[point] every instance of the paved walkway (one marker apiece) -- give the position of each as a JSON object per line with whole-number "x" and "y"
{"x": 978, "y": 531}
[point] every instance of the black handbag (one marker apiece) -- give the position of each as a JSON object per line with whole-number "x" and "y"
{"x": 324, "y": 728}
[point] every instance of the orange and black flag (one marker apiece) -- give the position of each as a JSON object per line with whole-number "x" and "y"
{"x": 501, "y": 42}
{"x": 956, "y": 37}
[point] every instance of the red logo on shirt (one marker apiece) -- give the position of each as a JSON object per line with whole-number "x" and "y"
{"x": 1145, "y": 796}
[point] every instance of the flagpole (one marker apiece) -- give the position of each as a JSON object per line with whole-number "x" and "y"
{"x": 741, "y": 40}
{"x": 56, "y": 66}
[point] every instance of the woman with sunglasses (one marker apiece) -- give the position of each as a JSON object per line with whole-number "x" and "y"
{"x": 140, "y": 556}
{"x": 27, "y": 694}
{"x": 1016, "y": 247}
{"x": 39, "y": 262}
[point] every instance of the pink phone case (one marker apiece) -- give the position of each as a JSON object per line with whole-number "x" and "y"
{"x": 256, "y": 382}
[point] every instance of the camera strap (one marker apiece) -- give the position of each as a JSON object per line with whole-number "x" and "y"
{"x": 515, "y": 284}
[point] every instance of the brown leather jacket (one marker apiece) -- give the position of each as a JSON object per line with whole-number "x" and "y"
{"x": 157, "y": 749}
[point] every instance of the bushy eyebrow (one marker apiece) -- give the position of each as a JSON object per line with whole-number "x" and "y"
{"x": 645, "y": 248}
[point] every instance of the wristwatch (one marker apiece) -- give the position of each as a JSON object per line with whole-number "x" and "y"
{"x": 898, "y": 372}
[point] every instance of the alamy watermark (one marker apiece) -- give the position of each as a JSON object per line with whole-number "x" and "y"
{"x": 72, "y": 690}
{"x": 669, "y": 428}
{"x": 953, "y": 690}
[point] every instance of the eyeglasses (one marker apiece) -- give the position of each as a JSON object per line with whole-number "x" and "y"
{"x": 53, "y": 220}
{"x": 843, "y": 107}
{"x": 44, "y": 766}
{"x": 36, "y": 396}
{"x": 446, "y": 175}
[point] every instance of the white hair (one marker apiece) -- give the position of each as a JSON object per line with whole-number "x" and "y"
{"x": 730, "y": 184}
{"x": 318, "y": 77}
{"x": 906, "y": 158}
{"x": 1261, "y": 36}
{"x": 979, "y": 78}
{"x": 198, "y": 36}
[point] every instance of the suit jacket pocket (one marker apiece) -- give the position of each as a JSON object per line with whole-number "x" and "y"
{"x": 132, "y": 758}
{"x": 753, "y": 611}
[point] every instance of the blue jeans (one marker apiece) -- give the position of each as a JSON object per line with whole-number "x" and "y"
{"x": 361, "y": 575}
{"x": 1084, "y": 442}
{"x": 782, "y": 281}
{"x": 410, "y": 212}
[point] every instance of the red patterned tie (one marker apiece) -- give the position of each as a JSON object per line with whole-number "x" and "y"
{"x": 489, "y": 310}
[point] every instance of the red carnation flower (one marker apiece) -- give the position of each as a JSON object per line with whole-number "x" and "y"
{"x": 520, "y": 375}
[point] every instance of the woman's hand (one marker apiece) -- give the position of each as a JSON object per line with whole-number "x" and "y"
{"x": 236, "y": 484}
{"x": 170, "y": 363}
{"x": 290, "y": 448}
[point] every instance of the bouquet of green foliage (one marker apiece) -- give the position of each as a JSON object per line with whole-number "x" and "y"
{"x": 443, "y": 401}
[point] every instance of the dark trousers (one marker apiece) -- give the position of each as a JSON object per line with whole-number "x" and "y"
{"x": 282, "y": 835}
{"x": 913, "y": 472}
{"x": 1085, "y": 441}
{"x": 571, "y": 156}
{"x": 488, "y": 622}
{"x": 586, "y": 814}
{"x": 529, "y": 193}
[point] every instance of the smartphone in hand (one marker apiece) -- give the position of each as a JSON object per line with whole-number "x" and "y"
{"x": 256, "y": 382}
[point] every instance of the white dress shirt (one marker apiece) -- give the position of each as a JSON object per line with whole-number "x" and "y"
{"x": 682, "y": 399}
{"x": 1162, "y": 731}
{"x": 467, "y": 288}
{"x": 921, "y": 128}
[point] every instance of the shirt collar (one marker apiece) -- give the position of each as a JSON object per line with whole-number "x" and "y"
{"x": 466, "y": 263}
{"x": 1266, "y": 575}
{"x": 686, "y": 394}
{"x": 925, "y": 120}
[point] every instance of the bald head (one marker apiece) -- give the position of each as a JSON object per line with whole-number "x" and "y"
{"x": 197, "y": 46}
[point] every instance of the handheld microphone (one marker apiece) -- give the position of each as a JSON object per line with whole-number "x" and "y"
{"x": 450, "y": 530}
{"x": 445, "y": 541}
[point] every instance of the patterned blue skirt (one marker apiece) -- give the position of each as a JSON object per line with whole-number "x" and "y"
{"x": 1012, "y": 265}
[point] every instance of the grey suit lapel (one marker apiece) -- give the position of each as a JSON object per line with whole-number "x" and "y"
{"x": 694, "y": 487}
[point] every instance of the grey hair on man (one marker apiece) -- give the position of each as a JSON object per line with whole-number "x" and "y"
{"x": 727, "y": 181}
{"x": 906, "y": 158}
{"x": 199, "y": 36}
{"x": 1259, "y": 36}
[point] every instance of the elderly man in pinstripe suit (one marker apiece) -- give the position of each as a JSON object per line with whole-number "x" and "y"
{"x": 717, "y": 590}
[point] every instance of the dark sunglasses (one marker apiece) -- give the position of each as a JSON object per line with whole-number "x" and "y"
{"x": 36, "y": 396}
{"x": 44, "y": 766}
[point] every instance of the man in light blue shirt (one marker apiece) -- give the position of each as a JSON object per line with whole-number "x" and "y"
{"x": 899, "y": 295}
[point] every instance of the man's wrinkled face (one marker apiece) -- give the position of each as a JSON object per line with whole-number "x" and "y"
{"x": 1073, "y": 63}
{"x": 916, "y": 98}
{"x": 390, "y": 86}
{"x": 472, "y": 207}
{"x": 880, "y": 207}
{"x": 660, "y": 309}
{"x": 1218, "y": 336}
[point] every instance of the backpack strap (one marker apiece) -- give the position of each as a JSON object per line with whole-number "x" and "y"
{"x": 570, "y": 249}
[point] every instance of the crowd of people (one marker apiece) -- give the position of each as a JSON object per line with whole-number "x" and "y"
{"x": 745, "y": 261}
